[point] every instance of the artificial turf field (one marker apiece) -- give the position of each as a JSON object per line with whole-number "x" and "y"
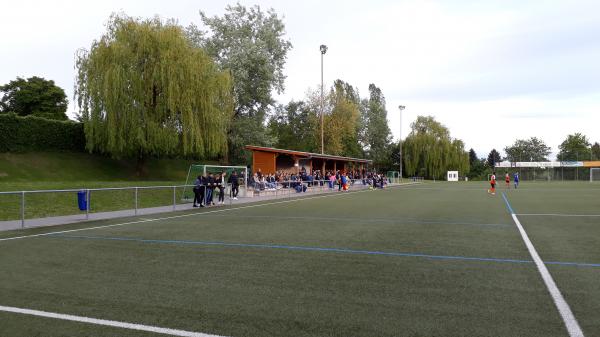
{"x": 434, "y": 259}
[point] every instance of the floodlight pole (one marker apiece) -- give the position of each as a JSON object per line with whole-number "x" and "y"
{"x": 323, "y": 49}
{"x": 401, "y": 107}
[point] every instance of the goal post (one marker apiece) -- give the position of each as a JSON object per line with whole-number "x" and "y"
{"x": 199, "y": 169}
{"x": 594, "y": 174}
{"x": 393, "y": 177}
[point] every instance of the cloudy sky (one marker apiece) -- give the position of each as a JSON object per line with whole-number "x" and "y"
{"x": 492, "y": 71}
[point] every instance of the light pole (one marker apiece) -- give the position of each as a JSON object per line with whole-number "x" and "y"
{"x": 401, "y": 107}
{"x": 323, "y": 49}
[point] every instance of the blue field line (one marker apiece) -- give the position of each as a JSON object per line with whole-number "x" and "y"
{"x": 508, "y": 206}
{"x": 392, "y": 221}
{"x": 317, "y": 249}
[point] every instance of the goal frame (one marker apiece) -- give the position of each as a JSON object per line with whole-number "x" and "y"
{"x": 204, "y": 167}
{"x": 592, "y": 170}
{"x": 393, "y": 176}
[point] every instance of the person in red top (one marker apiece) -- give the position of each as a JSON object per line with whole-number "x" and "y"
{"x": 507, "y": 180}
{"x": 493, "y": 184}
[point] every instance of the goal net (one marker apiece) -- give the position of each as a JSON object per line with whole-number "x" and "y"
{"x": 594, "y": 174}
{"x": 393, "y": 177}
{"x": 196, "y": 170}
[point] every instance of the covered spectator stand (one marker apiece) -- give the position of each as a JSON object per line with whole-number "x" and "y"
{"x": 270, "y": 160}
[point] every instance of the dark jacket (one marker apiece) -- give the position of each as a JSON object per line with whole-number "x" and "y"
{"x": 234, "y": 180}
{"x": 211, "y": 182}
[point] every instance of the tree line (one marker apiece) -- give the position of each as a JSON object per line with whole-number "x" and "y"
{"x": 151, "y": 87}
{"x": 575, "y": 147}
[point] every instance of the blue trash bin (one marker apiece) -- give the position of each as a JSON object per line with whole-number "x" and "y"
{"x": 82, "y": 200}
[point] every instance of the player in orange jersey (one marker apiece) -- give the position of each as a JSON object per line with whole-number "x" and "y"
{"x": 492, "y": 190}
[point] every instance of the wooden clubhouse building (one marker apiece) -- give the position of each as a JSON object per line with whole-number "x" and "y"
{"x": 270, "y": 160}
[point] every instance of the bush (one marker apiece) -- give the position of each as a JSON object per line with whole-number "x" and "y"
{"x": 30, "y": 133}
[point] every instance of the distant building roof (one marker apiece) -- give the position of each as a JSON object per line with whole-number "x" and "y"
{"x": 306, "y": 154}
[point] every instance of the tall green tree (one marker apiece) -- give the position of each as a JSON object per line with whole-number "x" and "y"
{"x": 342, "y": 122}
{"x": 472, "y": 157}
{"x": 34, "y": 96}
{"x": 493, "y": 158}
{"x": 251, "y": 44}
{"x": 532, "y": 149}
{"x": 294, "y": 127}
{"x": 596, "y": 151}
{"x": 144, "y": 89}
{"x": 395, "y": 158}
{"x": 575, "y": 147}
{"x": 429, "y": 150}
{"x": 476, "y": 165}
{"x": 374, "y": 133}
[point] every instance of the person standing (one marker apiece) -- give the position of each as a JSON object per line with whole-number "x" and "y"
{"x": 331, "y": 180}
{"x": 507, "y": 180}
{"x": 235, "y": 185}
{"x": 516, "y": 179}
{"x": 210, "y": 188}
{"x": 221, "y": 186}
{"x": 492, "y": 190}
{"x": 198, "y": 192}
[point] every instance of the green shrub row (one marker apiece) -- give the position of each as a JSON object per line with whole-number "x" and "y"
{"x": 24, "y": 134}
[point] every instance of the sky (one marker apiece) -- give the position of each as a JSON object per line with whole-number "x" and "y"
{"x": 491, "y": 71}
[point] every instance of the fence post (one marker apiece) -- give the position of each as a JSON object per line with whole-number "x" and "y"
{"x": 174, "y": 197}
{"x": 22, "y": 209}
{"x": 88, "y": 205}
{"x": 136, "y": 200}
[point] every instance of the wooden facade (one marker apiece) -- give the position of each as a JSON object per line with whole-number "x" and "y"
{"x": 270, "y": 160}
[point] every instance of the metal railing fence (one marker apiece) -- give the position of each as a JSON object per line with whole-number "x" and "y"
{"x": 35, "y": 204}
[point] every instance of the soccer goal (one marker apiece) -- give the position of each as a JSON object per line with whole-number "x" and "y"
{"x": 393, "y": 177}
{"x": 196, "y": 170}
{"x": 595, "y": 174}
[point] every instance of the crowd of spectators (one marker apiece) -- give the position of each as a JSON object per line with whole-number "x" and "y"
{"x": 304, "y": 179}
{"x": 206, "y": 188}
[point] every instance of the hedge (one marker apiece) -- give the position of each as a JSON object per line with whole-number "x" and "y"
{"x": 26, "y": 134}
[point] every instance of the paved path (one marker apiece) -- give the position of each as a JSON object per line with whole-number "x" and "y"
{"x": 81, "y": 217}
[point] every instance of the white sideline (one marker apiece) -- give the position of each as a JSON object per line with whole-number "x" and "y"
{"x": 104, "y": 322}
{"x": 562, "y": 215}
{"x": 191, "y": 214}
{"x": 563, "y": 307}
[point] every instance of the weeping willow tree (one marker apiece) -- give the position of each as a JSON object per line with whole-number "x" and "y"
{"x": 429, "y": 151}
{"x": 144, "y": 89}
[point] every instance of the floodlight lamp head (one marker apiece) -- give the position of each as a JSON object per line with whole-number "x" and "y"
{"x": 323, "y": 49}
{"x": 401, "y": 107}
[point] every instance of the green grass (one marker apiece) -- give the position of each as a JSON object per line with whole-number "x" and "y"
{"x": 48, "y": 167}
{"x": 65, "y": 170}
{"x": 65, "y": 203}
{"x": 242, "y": 290}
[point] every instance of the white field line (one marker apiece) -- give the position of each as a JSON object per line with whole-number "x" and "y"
{"x": 104, "y": 322}
{"x": 188, "y": 215}
{"x": 561, "y": 215}
{"x": 563, "y": 307}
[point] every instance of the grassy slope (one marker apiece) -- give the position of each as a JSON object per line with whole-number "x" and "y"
{"x": 64, "y": 170}
{"x": 65, "y": 167}
{"x": 237, "y": 291}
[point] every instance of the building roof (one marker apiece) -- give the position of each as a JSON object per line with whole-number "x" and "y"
{"x": 307, "y": 154}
